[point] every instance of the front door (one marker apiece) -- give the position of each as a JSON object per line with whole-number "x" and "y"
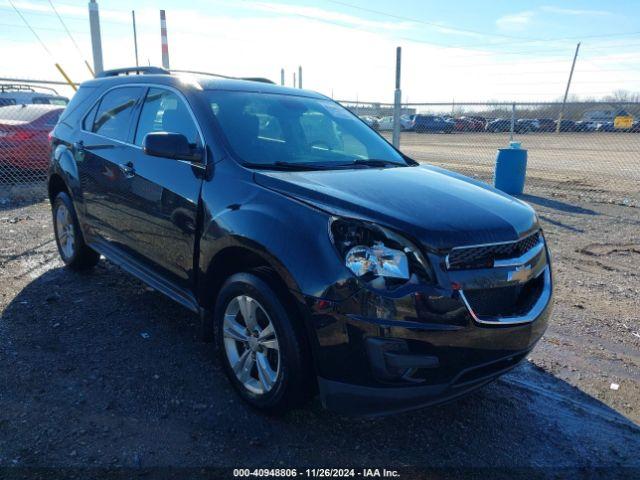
{"x": 164, "y": 193}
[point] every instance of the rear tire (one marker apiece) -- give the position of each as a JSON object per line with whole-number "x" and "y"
{"x": 263, "y": 354}
{"x": 75, "y": 254}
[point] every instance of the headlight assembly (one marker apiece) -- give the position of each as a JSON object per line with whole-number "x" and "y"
{"x": 378, "y": 255}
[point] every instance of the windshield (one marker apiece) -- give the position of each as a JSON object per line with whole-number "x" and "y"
{"x": 276, "y": 130}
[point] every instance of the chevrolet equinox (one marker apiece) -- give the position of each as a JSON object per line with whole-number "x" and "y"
{"x": 319, "y": 258}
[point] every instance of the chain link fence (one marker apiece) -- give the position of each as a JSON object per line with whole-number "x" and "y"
{"x": 28, "y": 113}
{"x": 595, "y": 145}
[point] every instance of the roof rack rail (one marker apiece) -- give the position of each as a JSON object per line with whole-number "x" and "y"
{"x": 161, "y": 71}
{"x": 133, "y": 70}
{"x": 24, "y": 87}
{"x": 249, "y": 79}
{"x": 195, "y": 72}
{"x": 257, "y": 79}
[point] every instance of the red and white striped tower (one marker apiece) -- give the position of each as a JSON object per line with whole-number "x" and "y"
{"x": 165, "y": 42}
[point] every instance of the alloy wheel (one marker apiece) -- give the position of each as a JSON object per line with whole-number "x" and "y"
{"x": 65, "y": 231}
{"x": 251, "y": 344}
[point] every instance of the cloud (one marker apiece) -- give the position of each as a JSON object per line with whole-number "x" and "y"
{"x": 515, "y": 21}
{"x": 320, "y": 14}
{"x": 576, "y": 12}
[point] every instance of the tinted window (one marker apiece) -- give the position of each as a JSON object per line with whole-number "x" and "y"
{"x": 88, "y": 119}
{"x": 164, "y": 111}
{"x": 114, "y": 114}
{"x": 266, "y": 128}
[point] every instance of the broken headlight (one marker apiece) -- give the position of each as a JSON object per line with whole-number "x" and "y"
{"x": 378, "y": 255}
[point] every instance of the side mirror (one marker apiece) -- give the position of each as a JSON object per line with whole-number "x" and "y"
{"x": 170, "y": 145}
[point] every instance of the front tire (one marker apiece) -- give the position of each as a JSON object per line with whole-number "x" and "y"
{"x": 73, "y": 251}
{"x": 259, "y": 345}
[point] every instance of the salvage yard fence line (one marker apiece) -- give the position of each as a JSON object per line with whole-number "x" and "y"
{"x": 595, "y": 146}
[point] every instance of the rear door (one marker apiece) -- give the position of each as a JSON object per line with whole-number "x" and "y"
{"x": 104, "y": 155}
{"x": 164, "y": 193}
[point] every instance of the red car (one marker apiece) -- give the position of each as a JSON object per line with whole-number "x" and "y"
{"x": 24, "y": 131}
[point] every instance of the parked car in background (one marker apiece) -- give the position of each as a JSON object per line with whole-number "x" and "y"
{"x": 467, "y": 124}
{"x": 477, "y": 118}
{"x": 527, "y": 125}
{"x": 432, "y": 124}
{"x": 606, "y": 127}
{"x": 567, "y": 126}
{"x": 504, "y": 125}
{"x": 24, "y": 131}
{"x": 355, "y": 272}
{"x": 547, "y": 125}
{"x": 498, "y": 125}
{"x": 586, "y": 126}
{"x": 407, "y": 122}
{"x": 385, "y": 123}
{"x": 15, "y": 94}
{"x": 371, "y": 121}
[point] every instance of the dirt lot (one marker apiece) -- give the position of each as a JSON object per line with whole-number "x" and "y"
{"x": 552, "y": 156}
{"x": 99, "y": 371}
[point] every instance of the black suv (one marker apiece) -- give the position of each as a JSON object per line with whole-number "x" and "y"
{"x": 319, "y": 258}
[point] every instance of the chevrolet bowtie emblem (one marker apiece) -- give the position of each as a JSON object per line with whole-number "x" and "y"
{"x": 520, "y": 274}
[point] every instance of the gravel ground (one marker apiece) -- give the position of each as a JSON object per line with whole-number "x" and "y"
{"x": 97, "y": 370}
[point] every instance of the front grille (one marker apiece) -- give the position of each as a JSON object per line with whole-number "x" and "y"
{"x": 484, "y": 257}
{"x": 512, "y": 301}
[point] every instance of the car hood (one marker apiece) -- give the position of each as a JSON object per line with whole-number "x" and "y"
{"x": 441, "y": 209}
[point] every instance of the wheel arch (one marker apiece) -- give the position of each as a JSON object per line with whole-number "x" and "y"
{"x": 242, "y": 255}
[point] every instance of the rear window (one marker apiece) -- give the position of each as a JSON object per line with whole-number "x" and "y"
{"x": 62, "y": 101}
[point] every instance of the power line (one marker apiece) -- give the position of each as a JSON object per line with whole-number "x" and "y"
{"x": 433, "y": 24}
{"x": 72, "y": 39}
{"x": 526, "y": 39}
{"x": 30, "y": 28}
{"x": 64, "y": 25}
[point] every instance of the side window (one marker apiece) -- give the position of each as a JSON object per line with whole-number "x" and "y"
{"x": 87, "y": 123}
{"x": 164, "y": 111}
{"x": 113, "y": 118}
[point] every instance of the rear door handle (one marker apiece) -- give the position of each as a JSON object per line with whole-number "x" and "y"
{"x": 127, "y": 169}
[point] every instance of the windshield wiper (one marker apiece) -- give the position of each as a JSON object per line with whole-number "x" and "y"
{"x": 377, "y": 162}
{"x": 288, "y": 166}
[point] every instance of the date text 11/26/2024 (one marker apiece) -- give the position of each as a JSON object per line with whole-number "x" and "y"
{"x": 316, "y": 473}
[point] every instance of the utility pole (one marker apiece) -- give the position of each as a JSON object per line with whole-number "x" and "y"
{"x": 135, "y": 35}
{"x": 300, "y": 77}
{"x": 397, "y": 106}
{"x": 566, "y": 92}
{"x": 96, "y": 40}
{"x": 165, "y": 42}
{"x": 282, "y": 77}
{"x": 294, "y": 79}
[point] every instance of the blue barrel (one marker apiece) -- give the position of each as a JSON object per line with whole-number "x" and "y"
{"x": 511, "y": 169}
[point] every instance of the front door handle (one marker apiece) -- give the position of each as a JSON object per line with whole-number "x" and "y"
{"x": 127, "y": 169}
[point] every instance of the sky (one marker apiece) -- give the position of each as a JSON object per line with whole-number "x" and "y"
{"x": 462, "y": 51}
